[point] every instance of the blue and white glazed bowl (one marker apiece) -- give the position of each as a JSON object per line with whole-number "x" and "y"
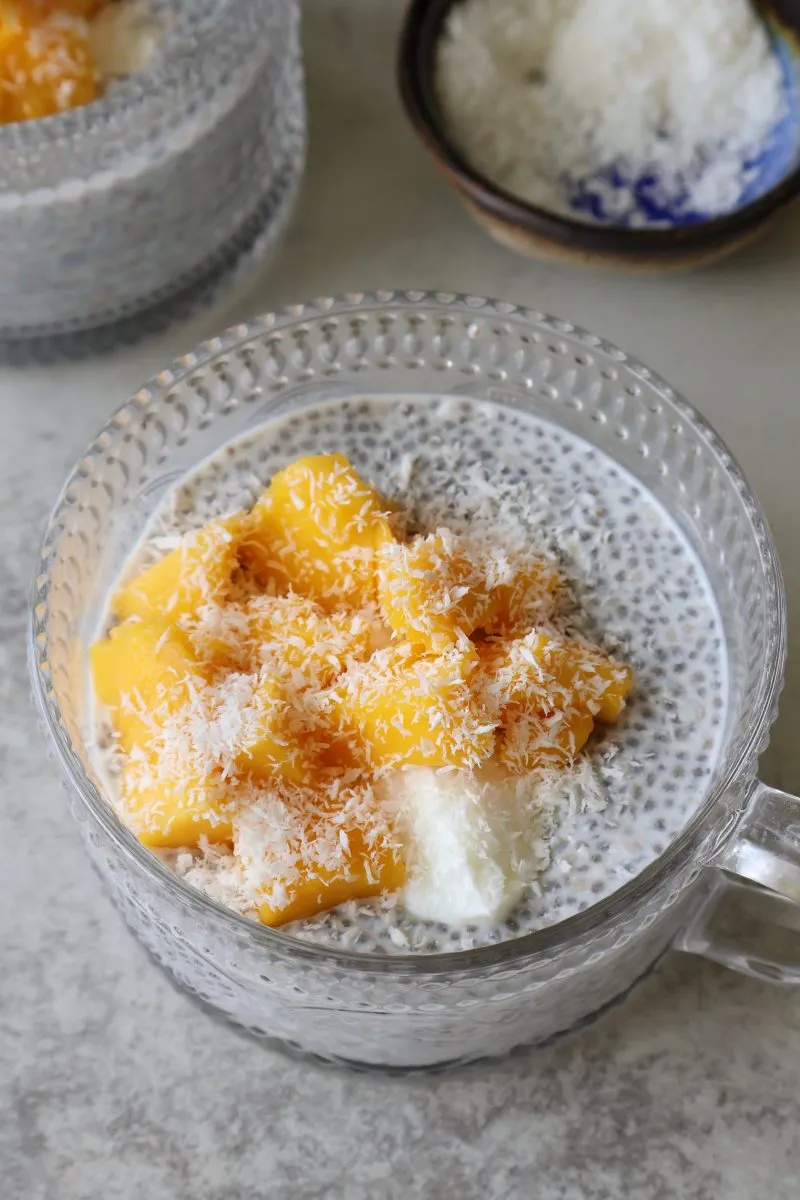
{"x": 117, "y": 217}
{"x": 610, "y": 218}
{"x": 654, "y": 206}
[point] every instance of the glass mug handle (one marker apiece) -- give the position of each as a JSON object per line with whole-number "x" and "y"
{"x": 749, "y": 914}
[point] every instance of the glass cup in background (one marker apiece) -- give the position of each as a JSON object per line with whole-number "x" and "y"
{"x": 122, "y": 215}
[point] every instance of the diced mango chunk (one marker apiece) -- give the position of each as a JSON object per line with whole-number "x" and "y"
{"x": 527, "y": 595}
{"x": 301, "y": 637}
{"x": 580, "y": 672}
{"x": 145, "y": 673}
{"x": 171, "y": 811}
{"x": 75, "y": 8}
{"x": 556, "y": 672}
{"x": 295, "y": 636}
{"x": 438, "y": 587}
{"x": 142, "y": 672}
{"x": 195, "y": 573}
{"x": 406, "y": 706}
{"x": 530, "y": 739}
{"x": 430, "y": 591}
{"x": 270, "y": 742}
{"x": 546, "y": 691}
{"x": 603, "y": 683}
{"x": 46, "y": 66}
{"x": 365, "y": 872}
{"x": 316, "y": 529}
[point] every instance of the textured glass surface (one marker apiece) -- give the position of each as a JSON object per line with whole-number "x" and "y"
{"x": 141, "y": 201}
{"x": 405, "y": 1011}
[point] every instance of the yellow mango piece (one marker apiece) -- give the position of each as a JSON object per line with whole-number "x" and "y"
{"x": 563, "y": 673}
{"x": 603, "y": 684}
{"x": 366, "y": 872}
{"x": 546, "y": 692}
{"x": 529, "y": 739}
{"x": 145, "y": 673}
{"x": 272, "y": 742}
{"x": 300, "y": 637}
{"x": 75, "y": 8}
{"x": 597, "y": 683}
{"x": 405, "y": 706}
{"x": 169, "y": 812}
{"x": 527, "y": 596}
{"x": 295, "y": 636}
{"x": 438, "y": 587}
{"x": 196, "y": 573}
{"x": 315, "y": 530}
{"x": 430, "y": 590}
{"x": 223, "y": 637}
{"x": 46, "y": 66}
{"x": 142, "y": 672}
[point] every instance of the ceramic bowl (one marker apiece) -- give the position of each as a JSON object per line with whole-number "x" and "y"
{"x": 591, "y": 233}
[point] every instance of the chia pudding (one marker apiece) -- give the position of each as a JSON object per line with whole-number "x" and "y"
{"x": 639, "y": 592}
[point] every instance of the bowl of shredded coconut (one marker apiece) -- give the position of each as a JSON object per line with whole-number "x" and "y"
{"x": 647, "y": 135}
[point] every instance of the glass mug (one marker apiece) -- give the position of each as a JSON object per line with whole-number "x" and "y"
{"x": 727, "y": 887}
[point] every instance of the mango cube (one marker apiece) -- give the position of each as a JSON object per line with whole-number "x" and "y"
{"x": 526, "y": 594}
{"x": 196, "y": 573}
{"x": 75, "y": 8}
{"x": 270, "y": 742}
{"x": 438, "y": 587}
{"x": 555, "y": 672}
{"x": 169, "y": 809}
{"x": 146, "y": 674}
{"x": 407, "y": 707}
{"x": 365, "y": 872}
{"x": 530, "y": 739}
{"x": 430, "y": 591}
{"x": 301, "y": 637}
{"x": 316, "y": 529}
{"x": 143, "y": 672}
{"x": 602, "y": 683}
{"x": 579, "y": 673}
{"x": 45, "y": 66}
{"x": 295, "y": 636}
{"x": 546, "y": 691}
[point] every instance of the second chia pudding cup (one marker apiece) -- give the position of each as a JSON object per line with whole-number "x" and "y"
{"x": 198, "y": 152}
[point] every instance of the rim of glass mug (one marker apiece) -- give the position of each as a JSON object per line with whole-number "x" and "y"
{"x": 278, "y": 379}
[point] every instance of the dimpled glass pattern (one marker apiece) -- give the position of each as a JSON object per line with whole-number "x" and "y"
{"x": 147, "y": 199}
{"x": 405, "y": 1011}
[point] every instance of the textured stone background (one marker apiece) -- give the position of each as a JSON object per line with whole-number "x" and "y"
{"x": 112, "y": 1087}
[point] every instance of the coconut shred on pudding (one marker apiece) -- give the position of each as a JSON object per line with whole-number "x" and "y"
{"x": 451, "y": 679}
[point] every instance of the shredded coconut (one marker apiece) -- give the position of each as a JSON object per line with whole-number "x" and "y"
{"x": 124, "y": 38}
{"x": 473, "y": 841}
{"x": 545, "y": 96}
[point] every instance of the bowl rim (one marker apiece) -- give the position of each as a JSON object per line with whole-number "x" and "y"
{"x": 423, "y": 23}
{"x": 527, "y": 948}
